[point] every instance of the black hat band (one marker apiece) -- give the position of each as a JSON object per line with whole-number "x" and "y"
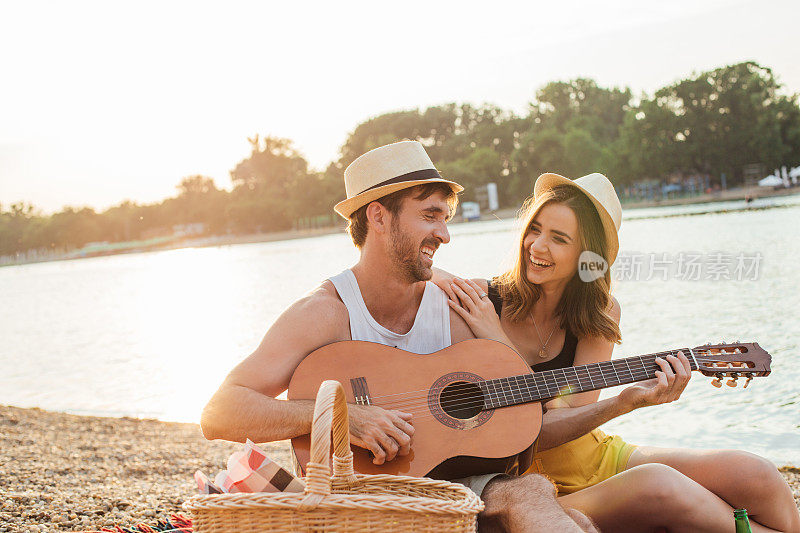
{"x": 425, "y": 174}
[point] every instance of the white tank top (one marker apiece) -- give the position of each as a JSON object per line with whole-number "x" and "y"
{"x": 431, "y": 329}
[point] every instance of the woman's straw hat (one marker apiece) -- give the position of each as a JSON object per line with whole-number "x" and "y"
{"x": 602, "y": 194}
{"x": 385, "y": 170}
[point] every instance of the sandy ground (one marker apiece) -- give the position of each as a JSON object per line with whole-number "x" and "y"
{"x": 80, "y": 473}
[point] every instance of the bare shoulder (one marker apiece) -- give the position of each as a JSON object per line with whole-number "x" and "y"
{"x": 320, "y": 316}
{"x": 596, "y": 349}
{"x": 322, "y": 303}
{"x": 315, "y": 320}
{"x": 459, "y": 329}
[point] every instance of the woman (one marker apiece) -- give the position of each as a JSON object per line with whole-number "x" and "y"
{"x": 554, "y": 319}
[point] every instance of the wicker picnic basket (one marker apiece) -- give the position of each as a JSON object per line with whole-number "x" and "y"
{"x": 344, "y": 502}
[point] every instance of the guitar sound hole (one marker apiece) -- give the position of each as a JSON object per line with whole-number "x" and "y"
{"x": 461, "y": 400}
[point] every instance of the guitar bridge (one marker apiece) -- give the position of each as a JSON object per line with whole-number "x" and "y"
{"x": 361, "y": 391}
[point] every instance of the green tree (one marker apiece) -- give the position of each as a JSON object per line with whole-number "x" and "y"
{"x": 272, "y": 177}
{"x": 458, "y": 138}
{"x": 715, "y": 122}
{"x": 121, "y": 222}
{"x": 572, "y": 129}
{"x": 581, "y": 103}
{"x": 581, "y": 152}
{"x": 199, "y": 201}
{"x": 480, "y": 167}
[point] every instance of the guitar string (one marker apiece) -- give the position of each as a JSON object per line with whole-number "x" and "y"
{"x": 423, "y": 409}
{"x": 653, "y": 355}
{"x": 503, "y": 395}
{"x": 552, "y": 387}
{"x": 469, "y": 400}
{"x": 595, "y": 370}
{"x": 480, "y": 403}
{"x": 427, "y": 413}
{"x": 586, "y": 372}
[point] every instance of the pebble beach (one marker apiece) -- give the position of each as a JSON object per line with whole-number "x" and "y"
{"x": 62, "y": 472}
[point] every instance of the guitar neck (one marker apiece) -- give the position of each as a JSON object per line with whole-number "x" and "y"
{"x": 549, "y": 384}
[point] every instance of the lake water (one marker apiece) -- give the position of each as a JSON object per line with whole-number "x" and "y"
{"x": 153, "y": 334}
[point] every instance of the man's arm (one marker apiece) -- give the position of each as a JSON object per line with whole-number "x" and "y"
{"x": 245, "y": 406}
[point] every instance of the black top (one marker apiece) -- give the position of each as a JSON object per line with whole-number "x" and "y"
{"x": 564, "y": 359}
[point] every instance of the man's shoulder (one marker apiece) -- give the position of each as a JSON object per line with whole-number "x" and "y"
{"x": 323, "y": 300}
{"x": 459, "y": 330}
{"x": 319, "y": 317}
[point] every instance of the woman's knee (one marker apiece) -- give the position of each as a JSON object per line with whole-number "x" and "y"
{"x": 660, "y": 485}
{"x": 754, "y": 465}
{"x": 755, "y": 474}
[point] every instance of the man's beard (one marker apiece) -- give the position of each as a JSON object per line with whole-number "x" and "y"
{"x": 406, "y": 255}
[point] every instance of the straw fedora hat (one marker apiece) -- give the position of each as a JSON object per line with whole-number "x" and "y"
{"x": 602, "y": 194}
{"x": 385, "y": 170}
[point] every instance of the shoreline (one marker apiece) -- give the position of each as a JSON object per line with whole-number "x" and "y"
{"x": 727, "y": 195}
{"x": 501, "y": 214}
{"x": 64, "y": 472}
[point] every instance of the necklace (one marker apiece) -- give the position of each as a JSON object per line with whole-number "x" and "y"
{"x": 543, "y": 349}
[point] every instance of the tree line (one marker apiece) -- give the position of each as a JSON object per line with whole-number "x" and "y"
{"x": 714, "y": 123}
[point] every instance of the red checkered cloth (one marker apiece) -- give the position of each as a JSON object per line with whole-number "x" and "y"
{"x": 177, "y": 523}
{"x": 250, "y": 470}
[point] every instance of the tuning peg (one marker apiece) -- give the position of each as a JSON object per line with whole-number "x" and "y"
{"x": 732, "y": 382}
{"x": 749, "y": 379}
{"x": 716, "y": 382}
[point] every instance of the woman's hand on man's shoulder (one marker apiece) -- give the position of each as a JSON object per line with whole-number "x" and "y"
{"x": 444, "y": 281}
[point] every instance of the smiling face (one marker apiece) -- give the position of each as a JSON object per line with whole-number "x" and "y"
{"x": 415, "y": 234}
{"x": 552, "y": 245}
{"x": 560, "y": 223}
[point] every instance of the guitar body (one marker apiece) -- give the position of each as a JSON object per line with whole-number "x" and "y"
{"x": 453, "y": 435}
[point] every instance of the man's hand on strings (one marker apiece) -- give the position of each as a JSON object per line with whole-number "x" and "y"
{"x": 386, "y": 433}
{"x": 667, "y": 386}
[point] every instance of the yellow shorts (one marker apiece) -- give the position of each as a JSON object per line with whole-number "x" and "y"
{"x": 583, "y": 462}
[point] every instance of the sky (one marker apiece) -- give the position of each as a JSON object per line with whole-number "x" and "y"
{"x": 102, "y": 102}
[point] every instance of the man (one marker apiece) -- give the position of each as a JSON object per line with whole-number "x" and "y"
{"x": 398, "y": 207}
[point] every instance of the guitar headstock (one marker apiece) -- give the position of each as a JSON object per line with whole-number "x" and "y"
{"x": 732, "y": 360}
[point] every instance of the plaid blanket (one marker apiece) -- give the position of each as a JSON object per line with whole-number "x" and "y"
{"x": 175, "y": 523}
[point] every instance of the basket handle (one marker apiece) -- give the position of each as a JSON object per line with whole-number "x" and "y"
{"x": 330, "y": 414}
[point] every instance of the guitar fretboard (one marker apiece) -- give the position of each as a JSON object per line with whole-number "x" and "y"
{"x": 549, "y": 384}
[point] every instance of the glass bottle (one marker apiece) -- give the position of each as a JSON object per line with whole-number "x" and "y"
{"x": 741, "y": 521}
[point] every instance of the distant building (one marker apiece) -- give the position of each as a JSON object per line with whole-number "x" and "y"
{"x": 487, "y": 197}
{"x": 471, "y": 211}
{"x": 188, "y": 230}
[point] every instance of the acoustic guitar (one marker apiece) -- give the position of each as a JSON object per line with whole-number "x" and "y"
{"x": 476, "y": 404}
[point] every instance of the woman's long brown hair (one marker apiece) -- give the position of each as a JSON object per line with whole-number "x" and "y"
{"x": 584, "y": 306}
